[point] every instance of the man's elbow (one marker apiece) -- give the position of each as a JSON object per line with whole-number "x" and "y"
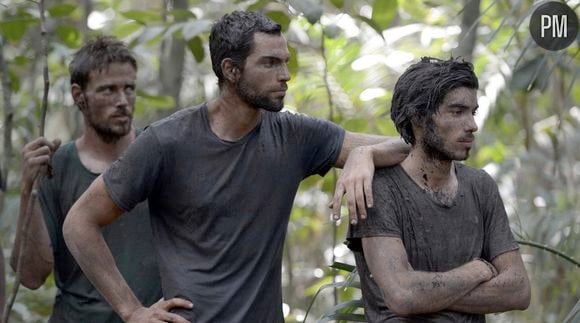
{"x": 31, "y": 281}
{"x": 69, "y": 228}
{"x": 32, "y": 278}
{"x": 523, "y": 298}
{"x": 400, "y": 303}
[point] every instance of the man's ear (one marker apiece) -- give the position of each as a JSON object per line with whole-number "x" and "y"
{"x": 78, "y": 95}
{"x": 230, "y": 71}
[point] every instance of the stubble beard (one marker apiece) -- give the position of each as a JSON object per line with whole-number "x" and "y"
{"x": 258, "y": 101}
{"x": 110, "y": 133}
{"x": 434, "y": 146}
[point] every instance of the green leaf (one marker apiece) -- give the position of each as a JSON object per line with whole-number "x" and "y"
{"x": 293, "y": 63}
{"x": 258, "y": 5}
{"x": 14, "y": 81}
{"x": 154, "y": 101}
{"x": 142, "y": 16}
{"x": 123, "y": 30}
{"x": 181, "y": 14}
{"x": 383, "y": 12}
{"x": 415, "y": 8}
{"x": 344, "y": 317}
{"x": 21, "y": 60}
{"x": 311, "y": 10}
{"x": 338, "y": 3}
{"x": 70, "y": 36}
{"x": 281, "y": 18}
{"x": 61, "y": 10}
{"x": 192, "y": 29}
{"x": 195, "y": 46}
{"x": 343, "y": 266}
{"x": 14, "y": 30}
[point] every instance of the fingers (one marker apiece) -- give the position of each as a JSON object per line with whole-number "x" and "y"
{"x": 335, "y": 204}
{"x": 351, "y": 204}
{"x": 159, "y": 312}
{"x": 360, "y": 200}
{"x": 368, "y": 187}
{"x": 174, "y": 302}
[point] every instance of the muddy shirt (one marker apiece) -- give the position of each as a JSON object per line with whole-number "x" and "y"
{"x": 220, "y": 209}
{"x": 130, "y": 239}
{"x": 437, "y": 238}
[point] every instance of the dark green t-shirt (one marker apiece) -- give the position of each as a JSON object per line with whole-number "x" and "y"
{"x": 220, "y": 209}
{"x": 436, "y": 237}
{"x": 129, "y": 238}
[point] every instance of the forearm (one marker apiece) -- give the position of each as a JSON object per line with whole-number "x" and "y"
{"x": 389, "y": 152}
{"x": 386, "y": 151}
{"x": 428, "y": 292}
{"x": 32, "y": 247}
{"x": 86, "y": 243}
{"x": 505, "y": 292}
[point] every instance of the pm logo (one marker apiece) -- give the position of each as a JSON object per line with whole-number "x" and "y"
{"x": 554, "y": 25}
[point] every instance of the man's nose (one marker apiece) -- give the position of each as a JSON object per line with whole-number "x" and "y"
{"x": 284, "y": 73}
{"x": 471, "y": 125}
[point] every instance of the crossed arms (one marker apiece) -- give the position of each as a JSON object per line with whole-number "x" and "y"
{"x": 470, "y": 288}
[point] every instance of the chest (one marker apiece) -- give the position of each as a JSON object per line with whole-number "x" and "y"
{"x": 441, "y": 238}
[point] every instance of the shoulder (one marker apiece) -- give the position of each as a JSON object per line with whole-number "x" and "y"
{"x": 387, "y": 176}
{"x": 175, "y": 125}
{"x": 477, "y": 178}
{"x": 177, "y": 118}
{"x": 64, "y": 155}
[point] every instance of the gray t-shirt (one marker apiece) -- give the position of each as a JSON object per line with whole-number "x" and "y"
{"x": 130, "y": 239}
{"x": 436, "y": 237}
{"x": 220, "y": 209}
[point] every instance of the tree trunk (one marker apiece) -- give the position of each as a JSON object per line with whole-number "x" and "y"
{"x": 172, "y": 61}
{"x": 468, "y": 34}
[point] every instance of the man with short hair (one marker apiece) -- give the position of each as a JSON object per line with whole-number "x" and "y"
{"x": 103, "y": 76}
{"x": 437, "y": 245}
{"x": 220, "y": 179}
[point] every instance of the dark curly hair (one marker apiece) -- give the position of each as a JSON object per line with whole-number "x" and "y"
{"x": 98, "y": 54}
{"x": 233, "y": 37}
{"x": 421, "y": 89}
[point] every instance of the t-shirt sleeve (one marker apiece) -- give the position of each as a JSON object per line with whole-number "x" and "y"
{"x": 132, "y": 177}
{"x": 498, "y": 236}
{"x": 320, "y": 142}
{"x": 383, "y": 219}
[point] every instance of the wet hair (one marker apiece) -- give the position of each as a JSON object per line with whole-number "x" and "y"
{"x": 233, "y": 37}
{"x": 96, "y": 55}
{"x": 422, "y": 88}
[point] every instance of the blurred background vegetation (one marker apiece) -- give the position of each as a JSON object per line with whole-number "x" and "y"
{"x": 347, "y": 56}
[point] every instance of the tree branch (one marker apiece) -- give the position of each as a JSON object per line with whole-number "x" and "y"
{"x": 34, "y": 193}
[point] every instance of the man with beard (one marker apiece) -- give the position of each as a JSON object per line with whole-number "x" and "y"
{"x": 437, "y": 246}
{"x": 220, "y": 179}
{"x": 103, "y": 74}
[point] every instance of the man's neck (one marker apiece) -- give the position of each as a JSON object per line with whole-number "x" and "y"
{"x": 230, "y": 117}
{"x": 96, "y": 154}
{"x": 429, "y": 173}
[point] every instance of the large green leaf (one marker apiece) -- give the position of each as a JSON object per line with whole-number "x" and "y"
{"x": 61, "y": 9}
{"x": 126, "y": 29}
{"x": 14, "y": 29}
{"x": 142, "y": 16}
{"x": 281, "y": 18}
{"x": 195, "y": 46}
{"x": 384, "y": 11}
{"x": 293, "y": 63}
{"x": 69, "y": 35}
{"x": 338, "y": 3}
